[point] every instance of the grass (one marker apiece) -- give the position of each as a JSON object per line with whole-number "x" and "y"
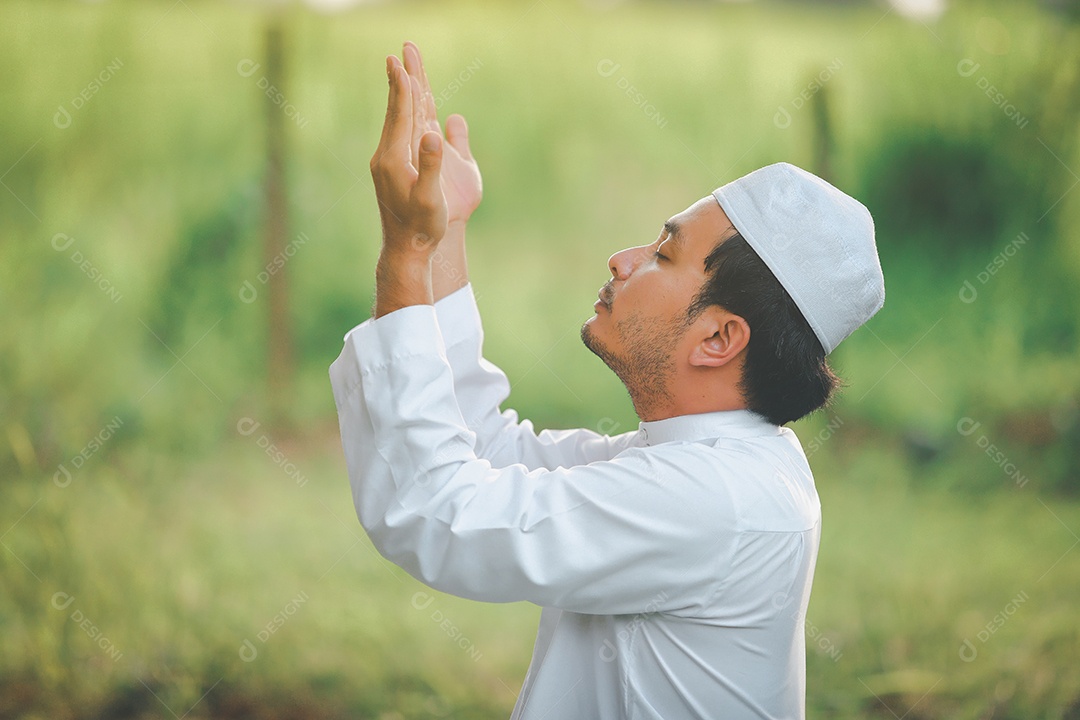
{"x": 178, "y": 575}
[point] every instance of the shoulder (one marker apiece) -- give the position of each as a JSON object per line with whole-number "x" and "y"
{"x": 761, "y": 483}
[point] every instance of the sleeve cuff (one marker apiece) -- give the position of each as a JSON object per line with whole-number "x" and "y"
{"x": 459, "y": 316}
{"x": 403, "y": 333}
{"x": 377, "y": 343}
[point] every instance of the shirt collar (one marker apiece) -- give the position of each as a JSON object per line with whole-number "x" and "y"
{"x": 706, "y": 426}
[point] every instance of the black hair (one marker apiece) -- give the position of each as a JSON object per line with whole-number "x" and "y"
{"x": 785, "y": 375}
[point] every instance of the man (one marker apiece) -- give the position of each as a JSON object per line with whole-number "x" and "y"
{"x": 673, "y": 563}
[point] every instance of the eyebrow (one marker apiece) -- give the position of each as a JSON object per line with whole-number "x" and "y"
{"x": 674, "y": 233}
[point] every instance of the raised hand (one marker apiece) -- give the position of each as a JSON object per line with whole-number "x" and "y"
{"x": 405, "y": 169}
{"x": 460, "y": 174}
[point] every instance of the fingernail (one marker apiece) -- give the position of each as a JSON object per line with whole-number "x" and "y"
{"x": 389, "y": 65}
{"x": 429, "y": 143}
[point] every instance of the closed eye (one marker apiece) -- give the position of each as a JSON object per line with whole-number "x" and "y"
{"x": 660, "y": 256}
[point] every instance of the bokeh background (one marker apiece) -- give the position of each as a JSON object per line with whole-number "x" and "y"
{"x": 188, "y": 229}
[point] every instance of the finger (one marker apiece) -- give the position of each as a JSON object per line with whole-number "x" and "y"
{"x": 457, "y": 134}
{"x": 411, "y": 55}
{"x": 391, "y": 106}
{"x": 397, "y": 128}
{"x": 427, "y": 190}
{"x": 418, "y": 124}
{"x": 420, "y": 114}
{"x": 430, "y": 111}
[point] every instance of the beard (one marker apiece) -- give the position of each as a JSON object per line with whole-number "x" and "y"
{"x": 645, "y": 365}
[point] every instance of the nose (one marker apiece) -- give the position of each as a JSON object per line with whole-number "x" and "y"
{"x": 624, "y": 262}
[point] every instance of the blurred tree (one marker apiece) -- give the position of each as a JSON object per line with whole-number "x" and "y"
{"x": 280, "y": 364}
{"x": 823, "y": 143}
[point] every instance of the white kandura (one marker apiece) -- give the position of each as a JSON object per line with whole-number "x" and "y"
{"x": 673, "y": 563}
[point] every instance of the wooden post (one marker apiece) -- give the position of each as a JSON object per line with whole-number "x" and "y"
{"x": 279, "y": 336}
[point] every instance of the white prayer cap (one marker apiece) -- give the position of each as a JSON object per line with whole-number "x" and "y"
{"x": 818, "y": 242}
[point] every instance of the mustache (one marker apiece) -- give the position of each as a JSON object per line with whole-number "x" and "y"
{"x": 607, "y": 294}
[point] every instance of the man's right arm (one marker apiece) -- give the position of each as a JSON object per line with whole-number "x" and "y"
{"x": 481, "y": 387}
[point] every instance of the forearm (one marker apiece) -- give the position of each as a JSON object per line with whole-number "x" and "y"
{"x": 449, "y": 267}
{"x": 402, "y": 279}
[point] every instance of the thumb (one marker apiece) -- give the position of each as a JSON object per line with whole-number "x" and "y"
{"x": 457, "y": 133}
{"x": 427, "y": 188}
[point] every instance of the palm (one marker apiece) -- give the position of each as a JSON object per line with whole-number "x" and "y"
{"x": 461, "y": 184}
{"x": 460, "y": 175}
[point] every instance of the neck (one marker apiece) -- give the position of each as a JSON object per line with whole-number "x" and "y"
{"x": 700, "y": 391}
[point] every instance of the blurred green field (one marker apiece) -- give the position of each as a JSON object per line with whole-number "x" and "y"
{"x": 948, "y": 469}
{"x": 178, "y": 575}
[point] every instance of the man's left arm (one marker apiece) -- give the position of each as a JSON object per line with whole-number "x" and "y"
{"x": 647, "y": 531}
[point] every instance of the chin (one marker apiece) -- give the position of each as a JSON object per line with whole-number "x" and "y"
{"x": 587, "y": 335}
{"x": 590, "y": 336}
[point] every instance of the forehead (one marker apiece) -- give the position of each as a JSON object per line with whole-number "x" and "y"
{"x": 702, "y": 226}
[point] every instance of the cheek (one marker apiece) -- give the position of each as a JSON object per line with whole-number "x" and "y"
{"x": 656, "y": 294}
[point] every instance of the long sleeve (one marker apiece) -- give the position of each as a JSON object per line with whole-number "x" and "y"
{"x": 481, "y": 388}
{"x": 608, "y": 537}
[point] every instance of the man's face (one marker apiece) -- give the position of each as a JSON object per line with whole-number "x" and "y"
{"x": 641, "y": 321}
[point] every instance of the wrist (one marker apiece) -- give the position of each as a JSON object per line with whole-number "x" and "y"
{"x": 449, "y": 267}
{"x": 402, "y": 278}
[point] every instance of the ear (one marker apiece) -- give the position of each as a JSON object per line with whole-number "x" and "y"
{"x": 723, "y": 336}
